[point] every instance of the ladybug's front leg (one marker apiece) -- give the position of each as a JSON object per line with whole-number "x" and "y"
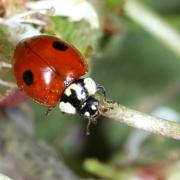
{"x": 49, "y": 109}
{"x": 101, "y": 89}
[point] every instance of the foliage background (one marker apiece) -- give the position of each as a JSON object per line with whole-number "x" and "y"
{"x": 133, "y": 66}
{"x": 136, "y": 69}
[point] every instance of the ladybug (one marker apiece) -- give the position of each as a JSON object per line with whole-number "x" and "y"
{"x": 49, "y": 70}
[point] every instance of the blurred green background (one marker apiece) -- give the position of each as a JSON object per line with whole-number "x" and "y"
{"x": 137, "y": 70}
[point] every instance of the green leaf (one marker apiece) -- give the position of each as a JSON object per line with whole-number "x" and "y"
{"x": 79, "y": 34}
{"x": 6, "y": 51}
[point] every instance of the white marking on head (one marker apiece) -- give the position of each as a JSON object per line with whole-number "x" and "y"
{"x": 67, "y": 91}
{"x": 93, "y": 107}
{"x": 67, "y": 108}
{"x": 78, "y": 89}
{"x": 87, "y": 114}
{"x": 90, "y": 86}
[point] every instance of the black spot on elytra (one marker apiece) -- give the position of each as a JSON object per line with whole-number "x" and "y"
{"x": 59, "y": 45}
{"x": 28, "y": 77}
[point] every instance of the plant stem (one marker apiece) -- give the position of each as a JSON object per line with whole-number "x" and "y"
{"x": 7, "y": 84}
{"x": 140, "y": 120}
{"x": 154, "y": 24}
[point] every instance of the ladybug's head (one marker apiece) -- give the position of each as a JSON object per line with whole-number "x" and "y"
{"x": 79, "y": 97}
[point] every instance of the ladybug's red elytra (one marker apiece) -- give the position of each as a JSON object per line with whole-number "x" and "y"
{"x": 48, "y": 70}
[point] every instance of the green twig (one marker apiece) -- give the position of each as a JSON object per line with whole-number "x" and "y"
{"x": 140, "y": 120}
{"x": 154, "y": 24}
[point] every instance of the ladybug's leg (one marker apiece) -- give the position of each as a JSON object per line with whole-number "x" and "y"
{"x": 101, "y": 89}
{"x": 49, "y": 109}
{"x": 88, "y": 127}
{"x": 89, "y": 110}
{"x": 90, "y": 121}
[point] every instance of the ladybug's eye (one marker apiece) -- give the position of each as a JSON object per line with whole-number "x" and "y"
{"x": 59, "y": 45}
{"x": 28, "y": 77}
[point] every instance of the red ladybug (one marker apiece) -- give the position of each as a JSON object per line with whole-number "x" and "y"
{"x": 48, "y": 70}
